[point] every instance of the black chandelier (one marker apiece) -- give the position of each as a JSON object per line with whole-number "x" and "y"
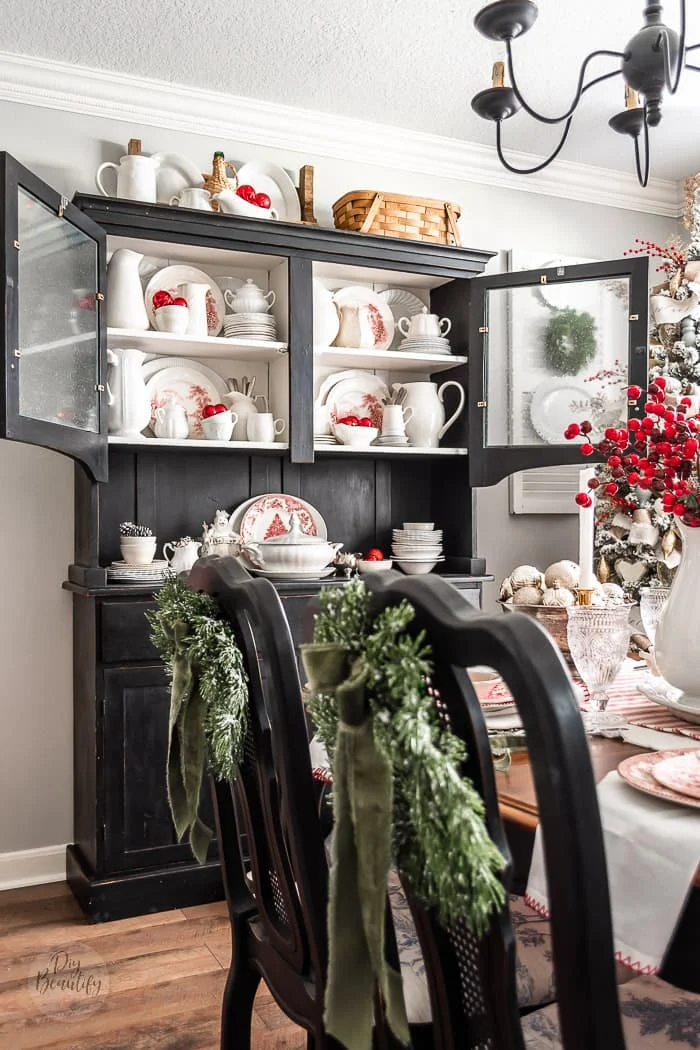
{"x": 650, "y": 65}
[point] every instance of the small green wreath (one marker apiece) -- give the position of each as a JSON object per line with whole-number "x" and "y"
{"x": 570, "y": 342}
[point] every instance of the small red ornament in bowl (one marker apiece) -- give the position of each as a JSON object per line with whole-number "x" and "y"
{"x": 170, "y": 313}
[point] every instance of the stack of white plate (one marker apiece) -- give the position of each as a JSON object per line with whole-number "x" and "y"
{"x": 123, "y": 572}
{"x": 325, "y": 439}
{"x": 250, "y": 326}
{"x": 425, "y": 344}
{"x": 417, "y": 547}
{"x": 396, "y": 440}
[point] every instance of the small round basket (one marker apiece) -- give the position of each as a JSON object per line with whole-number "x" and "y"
{"x": 554, "y": 619}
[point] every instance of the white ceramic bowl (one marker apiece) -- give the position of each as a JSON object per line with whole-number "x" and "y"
{"x": 138, "y": 550}
{"x": 416, "y": 568}
{"x": 360, "y": 436}
{"x": 419, "y": 526}
{"x": 409, "y": 553}
{"x": 219, "y": 427}
{"x": 290, "y": 557}
{"x": 171, "y": 319}
{"x": 374, "y": 566}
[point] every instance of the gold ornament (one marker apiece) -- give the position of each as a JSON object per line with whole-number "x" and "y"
{"x": 603, "y": 570}
{"x": 668, "y": 540}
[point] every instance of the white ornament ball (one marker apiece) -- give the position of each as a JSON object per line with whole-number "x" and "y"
{"x": 608, "y": 595}
{"x": 558, "y": 597}
{"x": 525, "y": 576}
{"x": 506, "y": 591}
{"x": 565, "y": 573}
{"x": 527, "y": 596}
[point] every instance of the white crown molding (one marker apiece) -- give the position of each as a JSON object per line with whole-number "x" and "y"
{"x": 32, "y": 867}
{"x": 155, "y": 103}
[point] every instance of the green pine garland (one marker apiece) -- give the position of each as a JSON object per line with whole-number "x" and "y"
{"x": 441, "y": 842}
{"x": 218, "y": 664}
{"x": 569, "y": 342}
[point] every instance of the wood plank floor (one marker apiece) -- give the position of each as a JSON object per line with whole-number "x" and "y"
{"x": 150, "y": 983}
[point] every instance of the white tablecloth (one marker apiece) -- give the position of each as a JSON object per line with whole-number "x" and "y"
{"x": 652, "y": 849}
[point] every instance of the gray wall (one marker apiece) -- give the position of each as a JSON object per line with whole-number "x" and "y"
{"x": 36, "y": 519}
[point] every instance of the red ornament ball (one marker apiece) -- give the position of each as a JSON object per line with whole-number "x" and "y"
{"x": 582, "y": 499}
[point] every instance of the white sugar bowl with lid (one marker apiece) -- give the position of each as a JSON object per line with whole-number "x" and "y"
{"x": 249, "y": 299}
{"x": 294, "y": 551}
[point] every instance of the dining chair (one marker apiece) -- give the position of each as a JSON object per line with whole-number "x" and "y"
{"x": 277, "y": 895}
{"x": 472, "y": 982}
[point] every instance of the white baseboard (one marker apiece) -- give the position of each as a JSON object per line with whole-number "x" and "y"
{"x": 32, "y": 867}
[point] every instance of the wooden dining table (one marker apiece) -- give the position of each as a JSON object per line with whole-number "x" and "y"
{"x": 518, "y": 806}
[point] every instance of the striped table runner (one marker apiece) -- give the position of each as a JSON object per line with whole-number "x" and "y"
{"x": 639, "y": 711}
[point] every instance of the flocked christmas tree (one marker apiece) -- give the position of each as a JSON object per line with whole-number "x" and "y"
{"x": 636, "y": 542}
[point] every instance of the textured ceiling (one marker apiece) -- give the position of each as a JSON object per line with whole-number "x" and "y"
{"x": 409, "y": 63}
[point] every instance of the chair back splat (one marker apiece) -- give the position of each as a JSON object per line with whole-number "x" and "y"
{"x": 277, "y": 894}
{"x": 469, "y": 980}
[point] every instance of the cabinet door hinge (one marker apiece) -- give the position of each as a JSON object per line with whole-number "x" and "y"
{"x": 481, "y": 404}
{"x": 16, "y": 245}
{"x": 543, "y": 278}
{"x": 17, "y": 353}
{"x": 484, "y": 328}
{"x": 634, "y": 317}
{"x": 63, "y": 204}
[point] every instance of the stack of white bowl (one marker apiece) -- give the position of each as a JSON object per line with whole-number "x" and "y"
{"x": 250, "y": 326}
{"x": 417, "y": 547}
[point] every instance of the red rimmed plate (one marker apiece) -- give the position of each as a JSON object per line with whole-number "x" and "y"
{"x": 268, "y": 517}
{"x": 680, "y": 773}
{"x": 638, "y": 772}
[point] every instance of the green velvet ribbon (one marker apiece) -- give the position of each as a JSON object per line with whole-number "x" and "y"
{"x": 186, "y": 745}
{"x": 360, "y": 858}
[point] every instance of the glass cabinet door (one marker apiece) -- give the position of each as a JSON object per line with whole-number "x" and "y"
{"x": 547, "y": 348}
{"x": 53, "y": 336}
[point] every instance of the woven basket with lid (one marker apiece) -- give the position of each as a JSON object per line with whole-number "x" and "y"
{"x": 394, "y": 215}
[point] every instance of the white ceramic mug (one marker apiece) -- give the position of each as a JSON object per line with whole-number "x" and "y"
{"x": 219, "y": 427}
{"x": 263, "y": 427}
{"x": 136, "y": 178}
{"x": 395, "y": 418}
{"x": 193, "y": 197}
{"x": 322, "y": 420}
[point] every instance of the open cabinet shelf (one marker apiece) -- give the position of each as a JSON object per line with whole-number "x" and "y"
{"x": 390, "y": 360}
{"x": 188, "y": 346}
{"x": 201, "y": 443}
{"x": 378, "y": 450}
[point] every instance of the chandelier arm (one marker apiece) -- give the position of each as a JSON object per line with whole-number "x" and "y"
{"x": 696, "y": 69}
{"x": 579, "y": 89}
{"x": 672, "y": 81}
{"x": 537, "y": 167}
{"x": 643, "y": 178}
{"x": 693, "y": 47}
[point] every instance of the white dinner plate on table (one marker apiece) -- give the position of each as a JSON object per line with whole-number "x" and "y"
{"x": 638, "y": 771}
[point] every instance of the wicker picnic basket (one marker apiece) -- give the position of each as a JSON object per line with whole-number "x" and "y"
{"x": 393, "y": 215}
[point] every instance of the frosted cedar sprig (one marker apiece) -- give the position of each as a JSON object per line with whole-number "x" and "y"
{"x": 675, "y": 257}
{"x": 659, "y": 453}
{"x": 127, "y": 528}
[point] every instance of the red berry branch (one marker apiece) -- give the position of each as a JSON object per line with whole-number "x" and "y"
{"x": 659, "y": 453}
{"x": 675, "y": 258}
